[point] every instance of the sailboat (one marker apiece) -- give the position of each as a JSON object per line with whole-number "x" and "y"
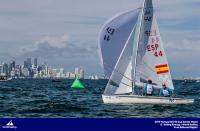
{"x": 3, "y": 78}
{"x": 131, "y": 51}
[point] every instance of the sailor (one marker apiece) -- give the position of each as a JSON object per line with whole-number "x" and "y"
{"x": 148, "y": 88}
{"x": 165, "y": 91}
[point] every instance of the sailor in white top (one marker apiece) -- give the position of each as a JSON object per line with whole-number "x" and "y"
{"x": 147, "y": 88}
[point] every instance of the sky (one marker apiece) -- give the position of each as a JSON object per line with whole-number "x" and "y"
{"x": 64, "y": 33}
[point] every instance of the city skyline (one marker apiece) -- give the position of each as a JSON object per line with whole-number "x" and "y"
{"x": 65, "y": 33}
{"x": 31, "y": 68}
{"x": 35, "y": 60}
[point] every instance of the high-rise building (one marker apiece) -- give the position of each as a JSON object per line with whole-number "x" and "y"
{"x": 61, "y": 70}
{"x": 18, "y": 72}
{"x": 4, "y": 69}
{"x": 18, "y": 69}
{"x": 12, "y": 73}
{"x": 72, "y": 75}
{"x": 54, "y": 72}
{"x": 1, "y": 69}
{"x": 68, "y": 74}
{"x": 35, "y": 62}
{"x": 29, "y": 63}
{"x": 76, "y": 71}
{"x": 13, "y": 65}
{"x": 25, "y": 72}
{"x": 81, "y": 74}
{"x": 25, "y": 64}
{"x": 46, "y": 70}
{"x": 9, "y": 68}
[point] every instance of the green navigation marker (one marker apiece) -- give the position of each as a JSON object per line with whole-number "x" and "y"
{"x": 77, "y": 84}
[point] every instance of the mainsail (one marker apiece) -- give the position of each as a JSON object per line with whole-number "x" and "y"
{"x": 151, "y": 59}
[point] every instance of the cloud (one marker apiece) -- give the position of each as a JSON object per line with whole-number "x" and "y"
{"x": 176, "y": 10}
{"x": 55, "y": 42}
{"x": 184, "y": 51}
{"x": 192, "y": 67}
{"x": 50, "y": 47}
{"x": 183, "y": 57}
{"x": 184, "y": 45}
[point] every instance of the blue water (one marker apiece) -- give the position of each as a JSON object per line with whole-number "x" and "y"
{"x": 44, "y": 99}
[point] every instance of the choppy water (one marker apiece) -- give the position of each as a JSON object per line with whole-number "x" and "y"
{"x": 42, "y": 98}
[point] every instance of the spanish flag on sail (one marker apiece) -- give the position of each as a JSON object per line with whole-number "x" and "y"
{"x": 161, "y": 69}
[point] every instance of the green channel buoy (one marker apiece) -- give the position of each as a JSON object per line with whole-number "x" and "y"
{"x": 77, "y": 84}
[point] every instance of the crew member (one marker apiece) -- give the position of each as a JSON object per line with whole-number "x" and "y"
{"x": 165, "y": 91}
{"x": 148, "y": 88}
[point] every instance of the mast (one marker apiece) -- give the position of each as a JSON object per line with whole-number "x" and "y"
{"x": 139, "y": 37}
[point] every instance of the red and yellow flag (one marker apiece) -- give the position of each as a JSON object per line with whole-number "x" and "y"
{"x": 161, "y": 69}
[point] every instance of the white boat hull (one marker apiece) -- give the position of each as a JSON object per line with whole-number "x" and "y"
{"x": 6, "y": 79}
{"x": 136, "y": 99}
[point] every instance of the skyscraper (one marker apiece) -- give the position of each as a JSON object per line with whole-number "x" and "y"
{"x": 35, "y": 62}
{"x": 25, "y": 64}
{"x": 5, "y": 69}
{"x": 1, "y": 69}
{"x": 13, "y": 65}
{"x": 76, "y": 71}
{"x": 29, "y": 63}
{"x": 81, "y": 73}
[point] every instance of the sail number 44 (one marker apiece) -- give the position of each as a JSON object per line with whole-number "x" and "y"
{"x": 157, "y": 54}
{"x": 154, "y": 49}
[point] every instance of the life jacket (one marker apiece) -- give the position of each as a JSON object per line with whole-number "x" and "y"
{"x": 165, "y": 92}
{"x": 148, "y": 88}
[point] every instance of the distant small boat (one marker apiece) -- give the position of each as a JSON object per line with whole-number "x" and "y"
{"x": 56, "y": 80}
{"x": 5, "y": 79}
{"x": 198, "y": 81}
{"x": 189, "y": 81}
